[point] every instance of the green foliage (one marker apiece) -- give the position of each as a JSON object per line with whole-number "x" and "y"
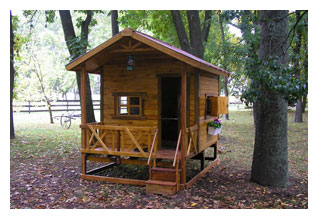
{"x": 272, "y": 77}
{"x": 158, "y": 22}
{"x": 78, "y": 47}
{"x": 50, "y": 16}
{"x": 43, "y": 53}
{"x": 216, "y": 123}
{"x": 264, "y": 77}
{"x": 82, "y": 14}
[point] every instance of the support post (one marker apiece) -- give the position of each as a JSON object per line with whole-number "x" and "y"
{"x": 83, "y": 93}
{"x": 183, "y": 120}
{"x": 203, "y": 158}
{"x": 101, "y": 94}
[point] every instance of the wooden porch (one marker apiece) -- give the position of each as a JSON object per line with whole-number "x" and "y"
{"x": 115, "y": 144}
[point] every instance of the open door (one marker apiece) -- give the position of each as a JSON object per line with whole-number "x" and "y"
{"x": 170, "y": 111}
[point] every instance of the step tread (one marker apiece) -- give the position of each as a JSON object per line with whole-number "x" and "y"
{"x": 159, "y": 182}
{"x": 164, "y": 169}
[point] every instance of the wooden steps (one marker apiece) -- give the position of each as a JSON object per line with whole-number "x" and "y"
{"x": 163, "y": 181}
{"x": 163, "y": 174}
{"x": 161, "y": 187}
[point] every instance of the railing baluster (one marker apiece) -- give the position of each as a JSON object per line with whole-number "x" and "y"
{"x": 153, "y": 144}
{"x": 177, "y": 150}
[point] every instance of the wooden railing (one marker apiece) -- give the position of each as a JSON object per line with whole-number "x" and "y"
{"x": 152, "y": 147}
{"x": 177, "y": 150}
{"x": 119, "y": 140}
{"x": 192, "y": 143}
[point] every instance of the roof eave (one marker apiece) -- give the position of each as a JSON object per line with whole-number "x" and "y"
{"x": 74, "y": 64}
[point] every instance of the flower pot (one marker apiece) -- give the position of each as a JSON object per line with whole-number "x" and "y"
{"x": 214, "y": 131}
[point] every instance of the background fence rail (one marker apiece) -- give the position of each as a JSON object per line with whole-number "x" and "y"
{"x": 59, "y": 105}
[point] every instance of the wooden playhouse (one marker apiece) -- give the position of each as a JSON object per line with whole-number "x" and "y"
{"x": 156, "y": 101}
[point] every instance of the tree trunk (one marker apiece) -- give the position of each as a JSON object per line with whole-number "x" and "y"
{"x": 12, "y": 134}
{"x": 50, "y": 110}
{"x": 181, "y": 31}
{"x": 197, "y": 37}
{"x": 299, "y": 110}
{"x": 224, "y": 64}
{"x": 195, "y": 33}
{"x": 69, "y": 35}
{"x": 296, "y": 52}
{"x": 114, "y": 22}
{"x": 270, "y": 158}
{"x": 304, "y": 103}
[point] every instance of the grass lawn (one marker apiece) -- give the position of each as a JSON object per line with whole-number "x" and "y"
{"x": 45, "y": 166}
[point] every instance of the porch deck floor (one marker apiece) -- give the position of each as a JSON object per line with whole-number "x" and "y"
{"x": 167, "y": 154}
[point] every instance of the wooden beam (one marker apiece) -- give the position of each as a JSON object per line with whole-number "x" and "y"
{"x": 196, "y": 105}
{"x": 99, "y": 169}
{"x": 202, "y": 173}
{"x": 130, "y": 50}
{"x": 183, "y": 119}
{"x": 83, "y": 93}
{"x": 101, "y": 93}
{"x": 126, "y": 32}
{"x": 114, "y": 180}
{"x": 178, "y": 55}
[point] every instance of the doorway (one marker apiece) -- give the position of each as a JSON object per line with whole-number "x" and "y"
{"x": 170, "y": 111}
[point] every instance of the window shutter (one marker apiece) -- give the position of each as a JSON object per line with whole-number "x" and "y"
{"x": 218, "y": 105}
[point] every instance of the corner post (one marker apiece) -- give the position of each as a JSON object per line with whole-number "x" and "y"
{"x": 183, "y": 120}
{"x": 101, "y": 94}
{"x": 83, "y": 92}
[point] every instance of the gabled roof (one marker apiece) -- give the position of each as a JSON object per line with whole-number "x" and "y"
{"x": 161, "y": 46}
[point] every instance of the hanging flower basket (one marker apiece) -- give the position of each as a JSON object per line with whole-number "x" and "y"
{"x": 214, "y": 127}
{"x": 214, "y": 131}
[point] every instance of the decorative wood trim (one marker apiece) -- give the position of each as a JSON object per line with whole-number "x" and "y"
{"x": 72, "y": 66}
{"x": 179, "y": 56}
{"x": 126, "y": 32}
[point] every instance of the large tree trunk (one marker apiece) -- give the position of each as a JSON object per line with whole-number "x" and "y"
{"x": 195, "y": 33}
{"x": 12, "y": 134}
{"x": 270, "y": 159}
{"x": 181, "y": 31}
{"x": 296, "y": 52}
{"x": 114, "y": 22}
{"x": 69, "y": 35}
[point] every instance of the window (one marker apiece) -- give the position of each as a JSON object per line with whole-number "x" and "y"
{"x": 216, "y": 105}
{"x": 129, "y": 105}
